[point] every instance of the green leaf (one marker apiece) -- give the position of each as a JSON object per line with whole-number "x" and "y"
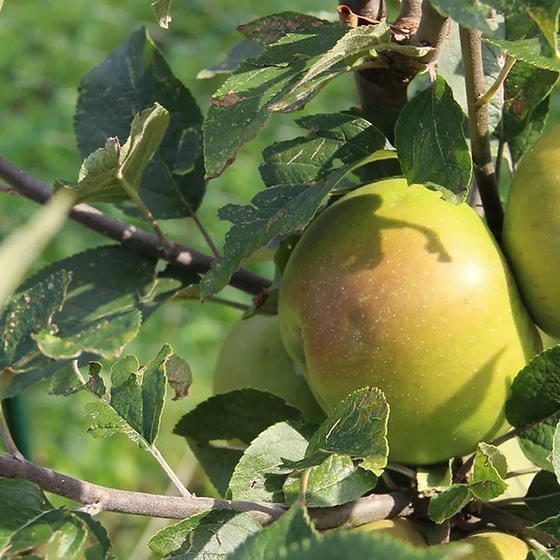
{"x": 430, "y": 142}
{"x": 30, "y": 311}
{"x": 272, "y": 213}
{"x": 292, "y": 528}
{"x": 20, "y": 502}
{"x": 536, "y": 442}
{"x": 99, "y": 544}
{"x": 533, "y": 130}
{"x": 107, "y": 338}
{"x": 242, "y": 415}
{"x": 490, "y": 469}
{"x": 434, "y": 477}
{"x": 357, "y": 427}
{"x": 240, "y": 52}
{"x": 69, "y": 531}
{"x": 283, "y": 78}
{"x": 21, "y": 247}
{"x": 544, "y": 494}
{"x": 473, "y": 14}
{"x": 337, "y": 545}
{"x": 450, "y": 501}
{"x": 525, "y": 88}
{"x": 550, "y": 526}
{"x": 108, "y": 284}
{"x": 132, "y": 78}
{"x": 332, "y": 138}
{"x": 108, "y": 173}
{"x": 211, "y": 534}
{"x": 137, "y": 400}
{"x": 334, "y": 482}
{"x": 260, "y": 474}
{"x": 534, "y": 51}
{"x": 272, "y": 28}
{"x": 161, "y": 10}
{"x": 535, "y": 390}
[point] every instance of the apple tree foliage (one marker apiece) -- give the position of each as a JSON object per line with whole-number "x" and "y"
{"x": 148, "y": 149}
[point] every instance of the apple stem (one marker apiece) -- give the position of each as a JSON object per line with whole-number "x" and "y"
{"x": 471, "y": 48}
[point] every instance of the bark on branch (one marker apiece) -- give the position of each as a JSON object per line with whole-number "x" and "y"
{"x": 99, "y": 498}
{"x": 126, "y": 234}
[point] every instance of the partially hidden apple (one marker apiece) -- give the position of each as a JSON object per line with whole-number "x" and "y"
{"x": 399, "y": 529}
{"x": 493, "y": 545}
{"x": 395, "y": 288}
{"x": 531, "y": 235}
{"x": 253, "y": 356}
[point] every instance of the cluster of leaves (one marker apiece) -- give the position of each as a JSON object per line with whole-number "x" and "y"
{"x": 140, "y": 133}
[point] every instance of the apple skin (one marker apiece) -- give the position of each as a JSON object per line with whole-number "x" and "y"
{"x": 531, "y": 235}
{"x": 253, "y": 356}
{"x": 395, "y": 288}
{"x": 399, "y": 529}
{"x": 493, "y": 545}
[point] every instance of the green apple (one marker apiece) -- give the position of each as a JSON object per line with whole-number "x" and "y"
{"x": 395, "y": 288}
{"x": 493, "y": 545}
{"x": 531, "y": 235}
{"x": 399, "y": 529}
{"x": 253, "y": 356}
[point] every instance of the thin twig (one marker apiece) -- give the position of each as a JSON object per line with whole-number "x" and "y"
{"x": 129, "y": 236}
{"x": 212, "y": 299}
{"x": 521, "y": 472}
{"x": 396, "y": 467}
{"x": 102, "y": 498}
{"x": 145, "y": 210}
{"x": 471, "y": 48}
{"x": 500, "y": 79}
{"x": 7, "y": 438}
{"x": 204, "y": 232}
{"x": 153, "y": 450}
{"x": 169, "y": 471}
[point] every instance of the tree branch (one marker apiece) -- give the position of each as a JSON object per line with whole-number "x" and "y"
{"x": 471, "y": 47}
{"x": 126, "y": 234}
{"x": 100, "y": 498}
{"x": 433, "y": 30}
{"x": 371, "y": 9}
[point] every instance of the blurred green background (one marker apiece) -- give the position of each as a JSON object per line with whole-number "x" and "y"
{"x": 46, "y": 48}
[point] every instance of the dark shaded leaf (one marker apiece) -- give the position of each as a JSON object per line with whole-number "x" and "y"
{"x": 132, "y": 78}
{"x": 333, "y": 138}
{"x": 242, "y": 415}
{"x": 430, "y": 142}
{"x": 535, "y": 390}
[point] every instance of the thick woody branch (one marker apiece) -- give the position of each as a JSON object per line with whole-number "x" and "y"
{"x": 471, "y": 47}
{"x": 126, "y": 234}
{"x": 99, "y": 498}
{"x": 371, "y": 9}
{"x": 433, "y": 31}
